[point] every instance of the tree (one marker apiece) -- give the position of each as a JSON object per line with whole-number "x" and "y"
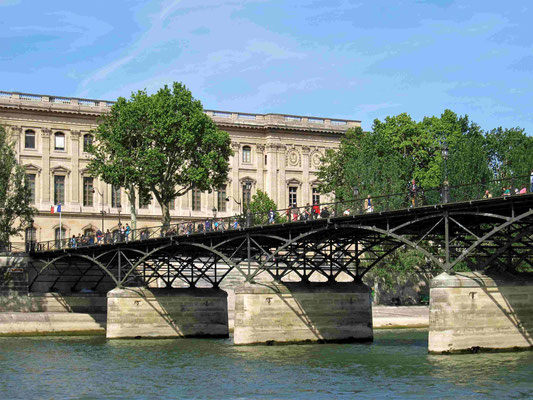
{"x": 15, "y": 196}
{"x": 115, "y": 152}
{"x": 510, "y": 153}
{"x": 168, "y": 144}
{"x": 260, "y": 205}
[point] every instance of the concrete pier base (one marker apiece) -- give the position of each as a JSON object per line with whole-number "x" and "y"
{"x": 166, "y": 313}
{"x": 471, "y": 312}
{"x": 300, "y": 312}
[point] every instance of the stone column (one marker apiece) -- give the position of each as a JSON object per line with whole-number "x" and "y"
{"x": 271, "y": 167}
{"x": 471, "y": 312}
{"x": 260, "y": 151}
{"x": 75, "y": 179}
{"x": 47, "y": 180}
{"x": 306, "y": 196}
{"x": 300, "y": 312}
{"x": 282, "y": 200}
{"x": 16, "y": 137}
{"x": 234, "y": 189}
{"x": 166, "y": 313}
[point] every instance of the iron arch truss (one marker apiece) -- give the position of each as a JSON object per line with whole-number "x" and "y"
{"x": 482, "y": 235}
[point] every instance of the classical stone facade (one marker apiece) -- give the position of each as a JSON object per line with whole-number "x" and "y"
{"x": 279, "y": 154}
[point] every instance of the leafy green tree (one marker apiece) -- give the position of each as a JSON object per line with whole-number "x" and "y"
{"x": 15, "y": 196}
{"x": 115, "y": 153}
{"x": 510, "y": 153}
{"x": 172, "y": 145}
{"x": 260, "y": 205}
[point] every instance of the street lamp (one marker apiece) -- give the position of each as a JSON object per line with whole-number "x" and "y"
{"x": 102, "y": 203}
{"x": 119, "y": 209}
{"x": 214, "y": 212}
{"x": 355, "y": 191}
{"x": 446, "y": 188}
{"x": 238, "y": 202}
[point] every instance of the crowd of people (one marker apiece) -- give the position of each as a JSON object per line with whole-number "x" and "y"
{"x": 294, "y": 213}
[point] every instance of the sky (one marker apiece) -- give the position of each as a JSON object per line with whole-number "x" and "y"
{"x": 360, "y": 59}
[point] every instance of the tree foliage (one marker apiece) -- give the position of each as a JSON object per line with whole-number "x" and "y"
{"x": 398, "y": 149}
{"x": 15, "y": 196}
{"x": 167, "y": 144}
{"x": 260, "y": 205}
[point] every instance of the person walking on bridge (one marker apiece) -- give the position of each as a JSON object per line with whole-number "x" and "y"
{"x": 531, "y": 182}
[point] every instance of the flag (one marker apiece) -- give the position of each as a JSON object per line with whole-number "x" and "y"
{"x": 56, "y": 209}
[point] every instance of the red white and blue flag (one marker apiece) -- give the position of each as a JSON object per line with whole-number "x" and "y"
{"x": 56, "y": 209}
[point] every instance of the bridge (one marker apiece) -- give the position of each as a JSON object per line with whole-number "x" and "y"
{"x": 303, "y": 271}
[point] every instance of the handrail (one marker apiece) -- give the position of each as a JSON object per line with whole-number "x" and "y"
{"x": 356, "y": 206}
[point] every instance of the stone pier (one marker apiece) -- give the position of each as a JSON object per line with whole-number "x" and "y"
{"x": 471, "y": 312}
{"x": 166, "y": 313}
{"x": 301, "y": 312}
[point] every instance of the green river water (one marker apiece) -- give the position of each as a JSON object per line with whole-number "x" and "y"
{"x": 395, "y": 366}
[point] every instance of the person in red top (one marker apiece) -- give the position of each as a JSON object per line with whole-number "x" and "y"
{"x": 316, "y": 210}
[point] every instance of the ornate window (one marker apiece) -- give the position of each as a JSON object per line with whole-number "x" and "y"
{"x": 59, "y": 141}
{"x": 246, "y": 193}
{"x": 196, "y": 199}
{"x": 316, "y": 196}
{"x": 30, "y": 183}
{"x": 59, "y": 189}
{"x": 88, "y": 232}
{"x": 88, "y": 191}
{"x": 31, "y": 235}
{"x": 221, "y": 198}
{"x": 29, "y": 139}
{"x": 87, "y": 142}
{"x": 247, "y": 154}
{"x": 115, "y": 196}
{"x": 60, "y": 235}
{"x": 293, "y": 196}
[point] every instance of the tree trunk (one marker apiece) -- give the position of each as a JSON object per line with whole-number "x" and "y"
{"x": 165, "y": 209}
{"x": 133, "y": 209}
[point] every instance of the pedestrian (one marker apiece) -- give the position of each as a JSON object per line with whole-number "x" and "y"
{"x": 531, "y": 182}
{"x": 316, "y": 210}
{"x": 523, "y": 190}
{"x": 487, "y": 195}
{"x": 271, "y": 216}
{"x": 412, "y": 190}
{"x": 346, "y": 212}
{"x": 73, "y": 242}
{"x": 368, "y": 204}
{"x": 506, "y": 191}
{"x": 235, "y": 224}
{"x": 288, "y": 214}
{"x": 107, "y": 237}
{"x": 294, "y": 212}
{"x": 99, "y": 236}
{"x": 127, "y": 231}
{"x": 324, "y": 213}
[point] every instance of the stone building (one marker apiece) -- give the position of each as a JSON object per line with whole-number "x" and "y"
{"x": 276, "y": 153}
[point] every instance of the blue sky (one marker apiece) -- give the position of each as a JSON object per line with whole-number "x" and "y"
{"x": 337, "y": 58}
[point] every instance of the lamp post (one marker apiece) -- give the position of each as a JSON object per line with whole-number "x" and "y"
{"x": 214, "y": 212}
{"x": 445, "y": 187}
{"x": 119, "y": 209}
{"x": 102, "y": 211}
{"x": 238, "y": 202}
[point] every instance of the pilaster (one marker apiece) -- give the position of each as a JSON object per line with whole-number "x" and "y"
{"x": 46, "y": 178}
{"x": 75, "y": 179}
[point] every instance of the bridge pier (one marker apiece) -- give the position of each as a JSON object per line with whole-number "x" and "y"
{"x": 166, "y": 313}
{"x": 301, "y": 312}
{"x": 472, "y": 312}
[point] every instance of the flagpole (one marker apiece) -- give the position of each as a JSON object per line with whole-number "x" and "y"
{"x": 60, "y": 228}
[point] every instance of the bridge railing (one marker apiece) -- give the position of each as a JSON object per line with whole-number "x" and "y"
{"x": 410, "y": 198}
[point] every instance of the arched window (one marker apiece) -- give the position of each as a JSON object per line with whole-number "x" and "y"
{"x": 29, "y": 139}
{"x": 59, "y": 141}
{"x": 247, "y": 154}
{"x": 87, "y": 142}
{"x": 30, "y": 238}
{"x": 60, "y": 236}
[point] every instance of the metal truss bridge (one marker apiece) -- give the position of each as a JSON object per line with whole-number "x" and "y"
{"x": 486, "y": 234}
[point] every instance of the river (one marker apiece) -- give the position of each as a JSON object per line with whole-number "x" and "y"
{"x": 395, "y": 366}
